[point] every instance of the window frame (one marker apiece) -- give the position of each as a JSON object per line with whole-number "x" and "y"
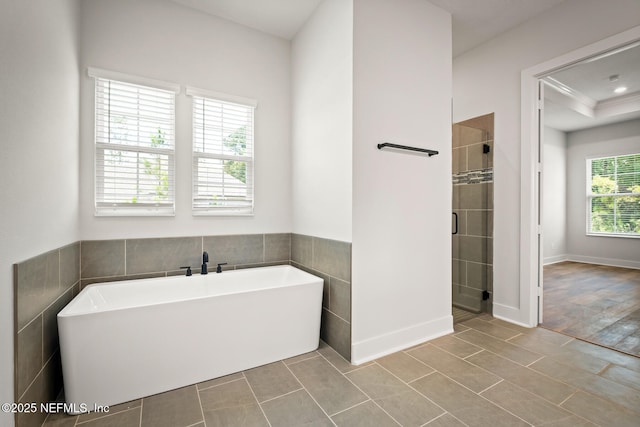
{"x": 103, "y": 207}
{"x": 590, "y": 196}
{"x": 196, "y": 199}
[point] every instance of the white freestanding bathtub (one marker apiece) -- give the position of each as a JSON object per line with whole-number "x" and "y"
{"x": 124, "y": 340}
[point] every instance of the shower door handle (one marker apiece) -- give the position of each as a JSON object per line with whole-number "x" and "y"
{"x": 455, "y": 222}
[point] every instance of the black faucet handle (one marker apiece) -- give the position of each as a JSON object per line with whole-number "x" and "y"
{"x": 219, "y": 268}
{"x": 188, "y": 270}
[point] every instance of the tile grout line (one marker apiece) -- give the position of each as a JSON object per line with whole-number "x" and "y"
{"x": 426, "y": 397}
{"x": 442, "y": 415}
{"x": 41, "y": 371}
{"x": 453, "y": 416}
{"x": 309, "y": 394}
{"x": 255, "y": 397}
{"x": 350, "y": 407}
{"x": 408, "y": 384}
{"x": 552, "y": 357}
{"x": 517, "y": 346}
{"x": 568, "y": 341}
{"x": 200, "y": 403}
{"x": 605, "y": 369}
{"x": 557, "y": 405}
{"x": 503, "y": 379}
{"x": 339, "y": 355}
{"x": 470, "y": 355}
{"x": 520, "y": 334}
{"x": 576, "y": 389}
{"x": 421, "y": 377}
{"x": 219, "y": 384}
{"x": 41, "y": 313}
{"x": 80, "y": 423}
{"x": 568, "y": 397}
{"x": 369, "y": 397}
{"x": 575, "y": 413}
{"x": 311, "y": 356}
{"x": 278, "y": 396}
{"x": 141, "y": 409}
{"x": 464, "y": 360}
{"x": 535, "y": 361}
{"x": 492, "y": 385}
{"x": 482, "y": 397}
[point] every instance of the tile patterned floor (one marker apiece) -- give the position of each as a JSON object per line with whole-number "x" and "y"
{"x": 488, "y": 373}
{"x": 460, "y": 315}
{"x": 596, "y": 303}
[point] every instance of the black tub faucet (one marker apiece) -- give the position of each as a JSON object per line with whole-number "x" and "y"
{"x": 219, "y": 268}
{"x": 205, "y": 260}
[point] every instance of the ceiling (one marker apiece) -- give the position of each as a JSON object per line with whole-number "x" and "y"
{"x": 474, "y": 21}
{"x": 281, "y": 18}
{"x": 583, "y": 96}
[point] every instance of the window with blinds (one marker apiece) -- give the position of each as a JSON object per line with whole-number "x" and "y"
{"x": 613, "y": 196}
{"x": 222, "y": 154}
{"x": 134, "y": 147}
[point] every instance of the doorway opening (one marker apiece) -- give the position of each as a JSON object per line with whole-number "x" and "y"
{"x": 568, "y": 265}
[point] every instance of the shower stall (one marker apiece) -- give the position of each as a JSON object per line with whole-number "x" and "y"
{"x": 472, "y": 214}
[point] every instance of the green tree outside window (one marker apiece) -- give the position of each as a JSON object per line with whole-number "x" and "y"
{"x": 615, "y": 195}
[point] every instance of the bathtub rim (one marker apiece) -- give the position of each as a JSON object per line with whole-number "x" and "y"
{"x": 67, "y": 311}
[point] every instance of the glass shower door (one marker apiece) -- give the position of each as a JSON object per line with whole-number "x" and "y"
{"x": 472, "y": 233}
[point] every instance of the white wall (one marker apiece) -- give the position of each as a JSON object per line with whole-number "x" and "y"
{"x": 610, "y": 140}
{"x": 487, "y": 79}
{"x": 554, "y": 203}
{"x": 165, "y": 41}
{"x": 322, "y": 122}
{"x": 39, "y": 137}
{"x": 401, "y": 259}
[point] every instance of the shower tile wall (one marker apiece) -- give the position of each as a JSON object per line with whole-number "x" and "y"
{"x": 44, "y": 284}
{"x": 472, "y": 247}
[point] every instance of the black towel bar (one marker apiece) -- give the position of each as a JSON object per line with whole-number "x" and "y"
{"x": 404, "y": 147}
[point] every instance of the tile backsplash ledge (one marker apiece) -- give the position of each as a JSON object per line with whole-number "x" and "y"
{"x": 123, "y": 259}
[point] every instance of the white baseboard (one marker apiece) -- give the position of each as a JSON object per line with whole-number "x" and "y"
{"x": 382, "y": 345}
{"x": 613, "y": 262}
{"x": 555, "y": 259}
{"x": 605, "y": 261}
{"x": 509, "y": 314}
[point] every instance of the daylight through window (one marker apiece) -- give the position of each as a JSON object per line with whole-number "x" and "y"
{"x": 613, "y": 195}
{"x": 222, "y": 156}
{"x": 134, "y": 149}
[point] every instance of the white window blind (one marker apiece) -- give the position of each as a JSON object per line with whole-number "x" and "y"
{"x": 613, "y": 196}
{"x": 134, "y": 148}
{"x": 223, "y": 147}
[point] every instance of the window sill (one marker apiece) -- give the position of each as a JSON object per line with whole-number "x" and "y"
{"x": 624, "y": 236}
{"x": 134, "y": 213}
{"x": 227, "y": 214}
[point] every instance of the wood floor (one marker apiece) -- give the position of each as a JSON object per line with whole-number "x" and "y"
{"x": 596, "y": 303}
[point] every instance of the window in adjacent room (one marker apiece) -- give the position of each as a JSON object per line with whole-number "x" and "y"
{"x": 223, "y": 146}
{"x": 134, "y": 145}
{"x": 613, "y": 195}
